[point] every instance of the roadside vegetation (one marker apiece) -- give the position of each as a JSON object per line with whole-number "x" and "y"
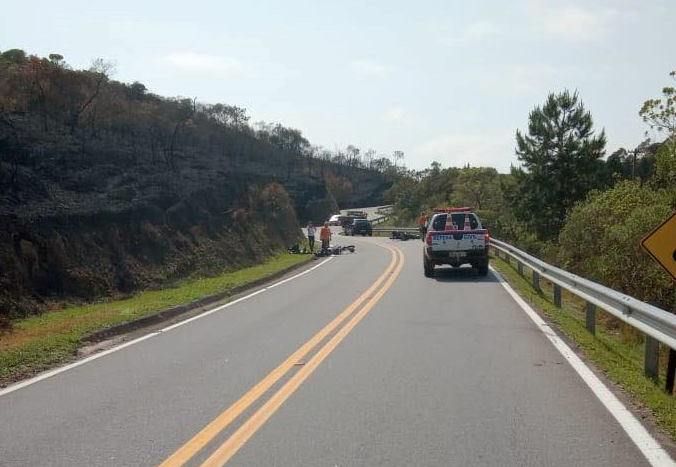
{"x": 566, "y": 202}
{"x": 40, "y": 342}
{"x": 108, "y": 188}
{"x": 573, "y": 205}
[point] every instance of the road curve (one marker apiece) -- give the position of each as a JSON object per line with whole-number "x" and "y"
{"x": 445, "y": 371}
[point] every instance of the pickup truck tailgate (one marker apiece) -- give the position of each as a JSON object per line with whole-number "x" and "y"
{"x": 458, "y": 241}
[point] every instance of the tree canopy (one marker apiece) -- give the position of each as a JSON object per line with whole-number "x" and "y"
{"x": 65, "y": 119}
{"x": 561, "y": 161}
{"x": 660, "y": 114}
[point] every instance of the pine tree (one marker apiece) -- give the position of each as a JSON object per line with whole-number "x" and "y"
{"x": 561, "y": 162}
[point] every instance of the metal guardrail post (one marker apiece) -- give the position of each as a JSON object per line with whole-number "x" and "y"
{"x": 671, "y": 370}
{"x": 557, "y": 295}
{"x": 536, "y": 280}
{"x": 519, "y": 266}
{"x": 590, "y": 318}
{"x": 652, "y": 358}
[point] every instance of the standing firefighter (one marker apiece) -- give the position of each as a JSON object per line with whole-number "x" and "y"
{"x": 423, "y": 225}
{"x": 325, "y": 236}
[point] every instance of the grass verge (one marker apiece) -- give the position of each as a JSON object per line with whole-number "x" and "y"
{"x": 40, "y": 342}
{"x": 619, "y": 359}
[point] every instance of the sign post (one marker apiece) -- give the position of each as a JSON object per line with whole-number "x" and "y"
{"x": 661, "y": 245}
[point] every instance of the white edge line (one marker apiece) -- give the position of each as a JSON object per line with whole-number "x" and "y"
{"x": 56, "y": 371}
{"x": 651, "y": 449}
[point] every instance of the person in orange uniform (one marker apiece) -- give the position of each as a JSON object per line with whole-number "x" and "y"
{"x": 423, "y": 225}
{"x": 325, "y": 236}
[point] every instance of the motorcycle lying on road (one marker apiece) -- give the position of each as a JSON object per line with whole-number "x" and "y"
{"x": 334, "y": 250}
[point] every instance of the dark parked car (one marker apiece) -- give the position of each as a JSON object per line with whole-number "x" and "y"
{"x": 345, "y": 221}
{"x": 362, "y": 226}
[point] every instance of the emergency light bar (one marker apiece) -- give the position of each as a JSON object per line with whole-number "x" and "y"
{"x": 463, "y": 209}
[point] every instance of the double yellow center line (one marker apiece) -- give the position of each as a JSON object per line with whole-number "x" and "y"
{"x": 340, "y": 327}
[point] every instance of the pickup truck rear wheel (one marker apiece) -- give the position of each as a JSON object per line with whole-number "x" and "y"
{"x": 428, "y": 268}
{"x": 483, "y": 269}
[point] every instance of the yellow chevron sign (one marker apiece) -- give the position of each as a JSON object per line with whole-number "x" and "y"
{"x": 661, "y": 244}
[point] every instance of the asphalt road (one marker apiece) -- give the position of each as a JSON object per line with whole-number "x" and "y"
{"x": 447, "y": 371}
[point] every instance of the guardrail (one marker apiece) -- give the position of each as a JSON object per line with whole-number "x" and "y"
{"x": 378, "y": 220}
{"x": 397, "y": 229}
{"x": 657, "y": 324}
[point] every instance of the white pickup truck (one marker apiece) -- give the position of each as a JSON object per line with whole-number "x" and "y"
{"x": 456, "y": 237}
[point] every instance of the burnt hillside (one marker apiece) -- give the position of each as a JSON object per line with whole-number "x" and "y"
{"x": 106, "y": 188}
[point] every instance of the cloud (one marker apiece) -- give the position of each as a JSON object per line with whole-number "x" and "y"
{"x": 395, "y": 114}
{"x": 530, "y": 79}
{"x": 473, "y": 32}
{"x": 124, "y": 29}
{"x": 190, "y": 61}
{"x": 477, "y": 150}
{"x": 572, "y": 22}
{"x": 370, "y": 68}
{"x": 527, "y": 79}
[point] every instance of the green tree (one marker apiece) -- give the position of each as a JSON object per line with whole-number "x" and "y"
{"x": 14, "y": 56}
{"x": 665, "y": 165}
{"x": 561, "y": 162}
{"x": 437, "y": 185}
{"x": 406, "y": 196}
{"x": 628, "y": 165}
{"x": 397, "y": 158}
{"x": 660, "y": 114}
{"x": 478, "y": 187}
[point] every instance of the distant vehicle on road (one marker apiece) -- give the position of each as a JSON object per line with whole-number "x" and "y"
{"x": 334, "y": 220}
{"x": 357, "y": 214}
{"x": 361, "y": 226}
{"x": 345, "y": 221}
{"x": 455, "y": 236}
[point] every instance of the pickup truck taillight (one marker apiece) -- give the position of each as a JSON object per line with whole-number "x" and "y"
{"x": 487, "y": 239}
{"x": 428, "y": 239}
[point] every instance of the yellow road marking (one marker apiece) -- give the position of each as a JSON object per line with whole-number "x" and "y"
{"x": 228, "y": 449}
{"x": 201, "y": 439}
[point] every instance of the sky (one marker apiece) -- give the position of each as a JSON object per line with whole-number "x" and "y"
{"x": 447, "y": 81}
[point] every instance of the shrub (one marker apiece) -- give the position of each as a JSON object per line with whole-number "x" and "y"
{"x": 601, "y": 240}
